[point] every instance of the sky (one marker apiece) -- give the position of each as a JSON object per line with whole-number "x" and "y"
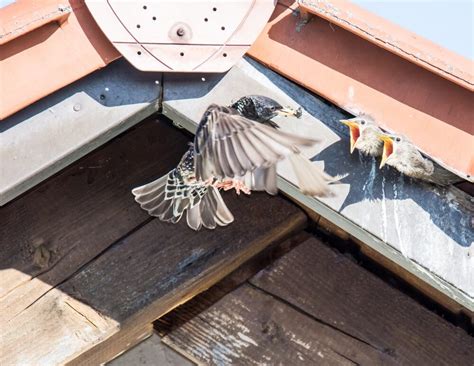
{"x": 449, "y": 23}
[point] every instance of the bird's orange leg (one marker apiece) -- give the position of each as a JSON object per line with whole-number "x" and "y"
{"x": 236, "y": 184}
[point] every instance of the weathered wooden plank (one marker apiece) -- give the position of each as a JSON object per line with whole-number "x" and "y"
{"x": 42, "y": 139}
{"x": 249, "y": 327}
{"x": 144, "y": 275}
{"x": 116, "y": 345}
{"x": 328, "y": 286}
{"x": 50, "y": 232}
{"x": 151, "y": 352}
{"x": 250, "y": 268}
{"x": 376, "y": 207}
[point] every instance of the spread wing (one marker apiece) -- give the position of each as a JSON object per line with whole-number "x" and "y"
{"x": 169, "y": 196}
{"x": 228, "y": 145}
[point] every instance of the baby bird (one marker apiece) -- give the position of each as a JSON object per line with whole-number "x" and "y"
{"x": 312, "y": 180}
{"x": 364, "y": 135}
{"x": 227, "y": 148}
{"x": 404, "y": 156}
{"x": 401, "y": 154}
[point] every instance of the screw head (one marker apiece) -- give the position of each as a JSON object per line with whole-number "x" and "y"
{"x": 180, "y": 32}
{"x": 77, "y": 107}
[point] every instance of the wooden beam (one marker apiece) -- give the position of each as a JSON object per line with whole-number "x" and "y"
{"x": 104, "y": 269}
{"x": 79, "y": 213}
{"x": 314, "y": 305}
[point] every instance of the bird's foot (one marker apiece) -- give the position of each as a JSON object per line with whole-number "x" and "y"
{"x": 236, "y": 184}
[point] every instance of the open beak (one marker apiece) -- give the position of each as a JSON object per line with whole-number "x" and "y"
{"x": 353, "y": 131}
{"x": 287, "y": 111}
{"x": 387, "y": 149}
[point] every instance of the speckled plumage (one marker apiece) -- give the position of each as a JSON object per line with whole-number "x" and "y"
{"x": 178, "y": 192}
{"x": 258, "y": 108}
{"x": 228, "y": 151}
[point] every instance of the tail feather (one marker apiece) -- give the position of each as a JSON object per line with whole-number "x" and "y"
{"x": 150, "y": 187}
{"x": 312, "y": 180}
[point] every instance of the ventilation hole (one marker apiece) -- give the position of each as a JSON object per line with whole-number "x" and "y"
{"x": 223, "y": 28}
{"x": 224, "y": 54}
{"x": 181, "y": 54}
{"x": 154, "y": 18}
{"x": 205, "y": 19}
{"x": 144, "y": 7}
{"x": 138, "y": 25}
{"x": 214, "y": 9}
{"x": 139, "y": 53}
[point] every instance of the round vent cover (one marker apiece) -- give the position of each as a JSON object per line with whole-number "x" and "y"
{"x": 182, "y": 35}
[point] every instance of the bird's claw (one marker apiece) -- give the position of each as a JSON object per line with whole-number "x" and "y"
{"x": 236, "y": 184}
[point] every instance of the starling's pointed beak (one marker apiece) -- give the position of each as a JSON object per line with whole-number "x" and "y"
{"x": 387, "y": 149}
{"x": 287, "y": 111}
{"x": 354, "y": 131}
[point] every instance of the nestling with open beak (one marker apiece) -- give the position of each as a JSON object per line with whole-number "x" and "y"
{"x": 364, "y": 135}
{"x": 312, "y": 180}
{"x": 227, "y": 149}
{"x": 401, "y": 154}
{"x": 404, "y": 156}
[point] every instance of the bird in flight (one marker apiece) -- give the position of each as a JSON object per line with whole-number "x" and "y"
{"x": 364, "y": 135}
{"x": 312, "y": 180}
{"x": 229, "y": 151}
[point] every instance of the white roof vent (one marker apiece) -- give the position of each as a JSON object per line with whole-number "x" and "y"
{"x": 182, "y": 35}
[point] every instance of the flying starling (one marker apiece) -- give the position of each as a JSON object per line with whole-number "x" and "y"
{"x": 312, "y": 180}
{"x": 229, "y": 151}
{"x": 364, "y": 135}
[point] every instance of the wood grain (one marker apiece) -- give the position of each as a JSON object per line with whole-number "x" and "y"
{"x": 103, "y": 268}
{"x": 50, "y": 232}
{"x": 249, "y": 327}
{"x": 329, "y": 287}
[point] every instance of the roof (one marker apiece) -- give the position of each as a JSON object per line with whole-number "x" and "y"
{"x": 339, "y": 61}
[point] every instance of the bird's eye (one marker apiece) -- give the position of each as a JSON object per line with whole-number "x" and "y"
{"x": 362, "y": 122}
{"x": 398, "y": 139}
